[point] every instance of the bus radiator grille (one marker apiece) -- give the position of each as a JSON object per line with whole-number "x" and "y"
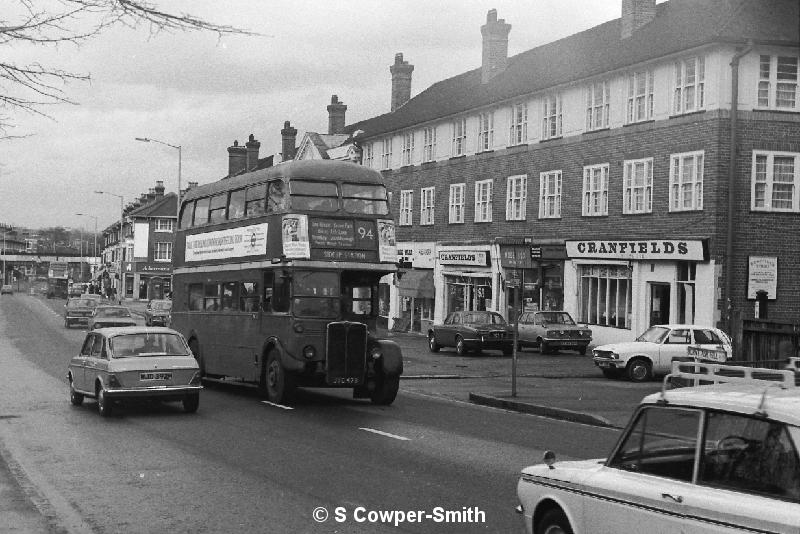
{"x": 346, "y": 353}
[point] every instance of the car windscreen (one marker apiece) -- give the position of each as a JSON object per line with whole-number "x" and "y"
{"x": 113, "y": 312}
{"x": 484, "y": 318}
{"x": 557, "y": 318}
{"x": 165, "y": 305}
{"x": 80, "y": 303}
{"x": 654, "y": 334}
{"x": 147, "y": 344}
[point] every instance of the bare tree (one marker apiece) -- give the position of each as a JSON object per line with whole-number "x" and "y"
{"x": 32, "y": 87}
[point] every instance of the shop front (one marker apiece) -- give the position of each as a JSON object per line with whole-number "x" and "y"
{"x": 152, "y": 280}
{"x": 622, "y": 287}
{"x": 534, "y": 273}
{"x": 464, "y": 280}
{"x": 414, "y": 302}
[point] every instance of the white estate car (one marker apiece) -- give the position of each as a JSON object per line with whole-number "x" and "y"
{"x": 653, "y": 351}
{"x": 712, "y": 458}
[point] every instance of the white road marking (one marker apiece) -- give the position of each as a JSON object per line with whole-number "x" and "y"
{"x": 278, "y": 405}
{"x": 395, "y": 436}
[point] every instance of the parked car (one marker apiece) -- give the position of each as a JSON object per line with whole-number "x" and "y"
{"x": 78, "y": 311}
{"x": 710, "y": 458}
{"x": 653, "y": 352}
{"x": 472, "y": 330}
{"x": 106, "y": 315}
{"x": 117, "y": 364}
{"x": 551, "y": 331}
{"x": 6, "y": 289}
{"x": 76, "y": 289}
{"x": 158, "y": 312}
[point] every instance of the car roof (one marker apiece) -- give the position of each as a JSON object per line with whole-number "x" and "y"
{"x": 112, "y": 331}
{"x": 674, "y": 326}
{"x": 780, "y": 404}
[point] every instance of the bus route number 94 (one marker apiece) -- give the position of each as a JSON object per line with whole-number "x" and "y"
{"x": 365, "y": 233}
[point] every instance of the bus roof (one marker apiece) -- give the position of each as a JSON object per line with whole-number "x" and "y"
{"x": 316, "y": 169}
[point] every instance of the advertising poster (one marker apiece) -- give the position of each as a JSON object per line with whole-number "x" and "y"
{"x": 230, "y": 243}
{"x": 762, "y": 275}
{"x": 294, "y": 235}
{"x": 387, "y": 245}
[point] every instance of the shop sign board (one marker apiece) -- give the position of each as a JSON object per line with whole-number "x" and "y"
{"x": 762, "y": 275}
{"x": 649, "y": 249}
{"x": 416, "y": 255}
{"x": 464, "y": 257}
{"x": 515, "y": 256}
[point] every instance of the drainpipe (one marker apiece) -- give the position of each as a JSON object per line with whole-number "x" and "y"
{"x": 732, "y": 167}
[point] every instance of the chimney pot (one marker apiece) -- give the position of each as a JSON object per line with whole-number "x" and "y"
{"x": 401, "y": 81}
{"x": 495, "y": 46}
{"x": 336, "y": 112}
{"x": 288, "y": 139}
{"x": 237, "y": 158}
{"x": 635, "y": 14}
{"x": 251, "y": 159}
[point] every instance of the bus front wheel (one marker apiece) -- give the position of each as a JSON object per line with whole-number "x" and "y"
{"x": 385, "y": 390}
{"x": 279, "y": 384}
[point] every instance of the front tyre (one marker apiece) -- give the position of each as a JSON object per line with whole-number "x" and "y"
{"x": 279, "y": 384}
{"x": 74, "y": 397}
{"x": 385, "y": 390}
{"x": 461, "y": 349}
{"x": 639, "y": 370}
{"x": 191, "y": 402}
{"x": 554, "y": 522}
{"x": 432, "y": 345}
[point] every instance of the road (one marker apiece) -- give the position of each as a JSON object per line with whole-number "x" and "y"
{"x": 242, "y": 465}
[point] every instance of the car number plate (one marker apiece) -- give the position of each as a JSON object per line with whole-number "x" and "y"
{"x": 569, "y": 342}
{"x": 603, "y": 364}
{"x": 155, "y": 376}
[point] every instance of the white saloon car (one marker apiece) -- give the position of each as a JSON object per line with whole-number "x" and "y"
{"x": 712, "y": 458}
{"x": 652, "y": 352}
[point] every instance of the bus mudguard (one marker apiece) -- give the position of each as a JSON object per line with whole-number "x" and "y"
{"x": 392, "y": 357}
{"x": 288, "y": 363}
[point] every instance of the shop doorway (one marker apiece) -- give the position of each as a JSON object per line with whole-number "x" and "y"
{"x": 659, "y": 303}
{"x": 468, "y": 294}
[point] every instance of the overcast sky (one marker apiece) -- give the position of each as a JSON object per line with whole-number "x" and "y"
{"x": 201, "y": 92}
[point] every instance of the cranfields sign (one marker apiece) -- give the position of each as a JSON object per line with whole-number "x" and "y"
{"x": 464, "y": 257}
{"x": 653, "y": 249}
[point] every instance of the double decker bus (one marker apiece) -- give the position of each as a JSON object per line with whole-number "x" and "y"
{"x": 276, "y": 275}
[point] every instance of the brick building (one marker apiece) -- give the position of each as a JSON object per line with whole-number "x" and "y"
{"x": 645, "y": 170}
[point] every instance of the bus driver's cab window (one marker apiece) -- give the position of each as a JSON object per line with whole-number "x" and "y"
{"x": 276, "y": 291}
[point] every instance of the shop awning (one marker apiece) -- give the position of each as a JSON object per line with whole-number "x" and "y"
{"x": 416, "y": 283}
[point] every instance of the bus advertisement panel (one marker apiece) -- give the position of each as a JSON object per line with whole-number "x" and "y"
{"x": 276, "y": 279}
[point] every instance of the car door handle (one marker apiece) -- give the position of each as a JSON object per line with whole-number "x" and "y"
{"x": 676, "y": 498}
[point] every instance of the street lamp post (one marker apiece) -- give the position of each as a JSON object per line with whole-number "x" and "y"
{"x": 94, "y": 250}
{"x": 120, "y": 289}
{"x": 178, "y": 147}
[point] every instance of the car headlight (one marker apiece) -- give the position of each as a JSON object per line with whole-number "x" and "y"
{"x": 309, "y": 352}
{"x": 113, "y": 381}
{"x": 615, "y": 355}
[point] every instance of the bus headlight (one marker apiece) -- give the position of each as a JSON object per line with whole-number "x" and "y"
{"x": 298, "y": 327}
{"x": 309, "y": 351}
{"x": 376, "y": 353}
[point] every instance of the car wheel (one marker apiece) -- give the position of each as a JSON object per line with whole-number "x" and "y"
{"x": 554, "y": 522}
{"x": 639, "y": 370}
{"x": 385, "y": 390}
{"x": 74, "y": 397}
{"x": 432, "y": 345}
{"x": 147, "y": 322}
{"x": 103, "y": 403}
{"x": 544, "y": 347}
{"x": 582, "y": 351}
{"x": 191, "y": 402}
{"x": 66, "y": 324}
{"x": 460, "y": 348}
{"x": 279, "y": 384}
{"x": 508, "y": 351}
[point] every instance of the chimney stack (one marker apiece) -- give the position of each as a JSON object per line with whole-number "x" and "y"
{"x": 401, "y": 81}
{"x": 237, "y": 158}
{"x": 635, "y": 14}
{"x": 495, "y": 46}
{"x": 288, "y": 137}
{"x": 336, "y": 111}
{"x": 251, "y": 158}
{"x": 159, "y": 189}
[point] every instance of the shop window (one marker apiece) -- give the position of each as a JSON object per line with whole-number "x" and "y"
{"x": 687, "y": 272}
{"x": 604, "y": 295}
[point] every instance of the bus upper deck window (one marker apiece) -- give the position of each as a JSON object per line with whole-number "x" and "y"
{"x": 276, "y": 197}
{"x": 369, "y": 199}
{"x": 314, "y": 195}
{"x": 186, "y": 215}
{"x": 236, "y": 205}
{"x": 255, "y": 200}
{"x": 218, "y": 207}
{"x": 201, "y": 211}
